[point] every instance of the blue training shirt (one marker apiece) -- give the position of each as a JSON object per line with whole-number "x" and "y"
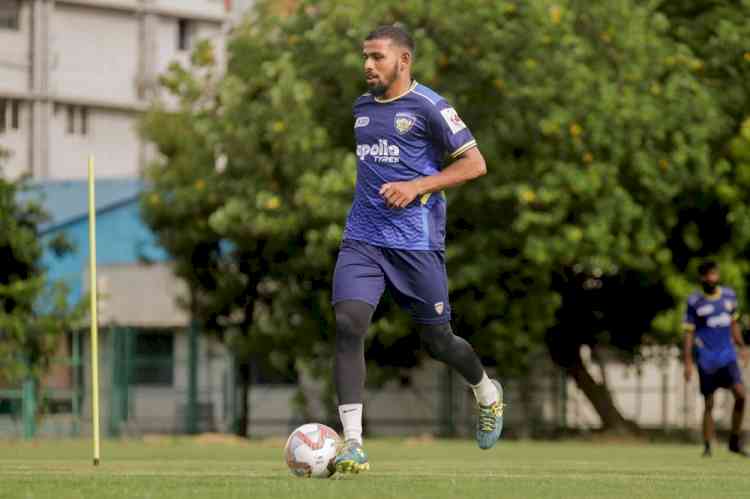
{"x": 711, "y": 318}
{"x": 401, "y": 139}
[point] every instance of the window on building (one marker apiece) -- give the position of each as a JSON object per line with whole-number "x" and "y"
{"x": 10, "y": 114}
{"x": 84, "y": 125}
{"x": 9, "y": 14}
{"x": 184, "y": 34}
{"x": 3, "y": 111}
{"x": 77, "y": 120}
{"x": 15, "y": 114}
{"x": 154, "y": 359}
{"x": 70, "y": 121}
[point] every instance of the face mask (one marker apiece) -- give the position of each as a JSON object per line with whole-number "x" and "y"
{"x": 708, "y": 287}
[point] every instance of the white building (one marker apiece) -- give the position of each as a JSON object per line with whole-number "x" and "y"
{"x": 74, "y": 75}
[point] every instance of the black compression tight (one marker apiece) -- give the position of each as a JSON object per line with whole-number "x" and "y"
{"x": 352, "y": 320}
{"x": 443, "y": 345}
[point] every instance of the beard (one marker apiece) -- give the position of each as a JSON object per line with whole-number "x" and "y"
{"x": 379, "y": 88}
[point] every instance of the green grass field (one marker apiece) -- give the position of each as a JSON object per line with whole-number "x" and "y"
{"x": 219, "y": 467}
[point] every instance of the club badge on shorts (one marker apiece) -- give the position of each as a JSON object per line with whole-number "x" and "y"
{"x": 404, "y": 122}
{"x": 439, "y": 307}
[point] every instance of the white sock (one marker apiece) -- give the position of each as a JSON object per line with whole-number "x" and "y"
{"x": 351, "y": 420}
{"x": 485, "y": 391}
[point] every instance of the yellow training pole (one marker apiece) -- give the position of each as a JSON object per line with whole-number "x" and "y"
{"x": 94, "y": 323}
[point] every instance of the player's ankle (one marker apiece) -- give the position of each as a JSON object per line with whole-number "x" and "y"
{"x": 485, "y": 391}
{"x": 734, "y": 440}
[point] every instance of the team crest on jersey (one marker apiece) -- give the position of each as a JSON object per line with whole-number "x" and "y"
{"x": 439, "y": 307}
{"x": 404, "y": 122}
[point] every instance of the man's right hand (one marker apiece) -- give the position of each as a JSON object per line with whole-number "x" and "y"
{"x": 688, "y": 372}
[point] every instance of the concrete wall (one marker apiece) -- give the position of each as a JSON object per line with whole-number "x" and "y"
{"x": 15, "y": 142}
{"x": 123, "y": 300}
{"x": 15, "y": 67}
{"x": 111, "y": 137}
{"x": 163, "y": 409}
{"x": 213, "y": 8}
{"x": 15, "y": 55}
{"x": 654, "y": 394}
{"x": 95, "y": 55}
{"x": 101, "y": 55}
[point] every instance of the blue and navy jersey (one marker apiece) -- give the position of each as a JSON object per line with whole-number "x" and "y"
{"x": 711, "y": 317}
{"x": 401, "y": 139}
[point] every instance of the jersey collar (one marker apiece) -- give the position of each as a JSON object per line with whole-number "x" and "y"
{"x": 713, "y": 296}
{"x": 385, "y": 101}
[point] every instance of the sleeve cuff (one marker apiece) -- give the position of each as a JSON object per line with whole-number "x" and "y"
{"x": 463, "y": 149}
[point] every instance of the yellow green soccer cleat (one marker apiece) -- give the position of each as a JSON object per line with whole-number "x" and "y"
{"x": 490, "y": 423}
{"x": 351, "y": 458}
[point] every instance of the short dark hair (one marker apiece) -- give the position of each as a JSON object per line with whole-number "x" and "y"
{"x": 707, "y": 266}
{"x": 396, "y": 33}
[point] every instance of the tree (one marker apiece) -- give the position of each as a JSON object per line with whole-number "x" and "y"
{"x": 245, "y": 202}
{"x": 34, "y": 312}
{"x": 600, "y": 127}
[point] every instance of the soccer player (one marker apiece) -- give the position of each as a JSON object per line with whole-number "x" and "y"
{"x": 710, "y": 328}
{"x": 395, "y": 232}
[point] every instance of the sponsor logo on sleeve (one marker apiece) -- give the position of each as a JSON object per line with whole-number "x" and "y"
{"x": 439, "y": 307}
{"x": 455, "y": 123}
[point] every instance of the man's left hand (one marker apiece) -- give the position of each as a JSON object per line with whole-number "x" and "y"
{"x": 399, "y": 194}
{"x": 744, "y": 355}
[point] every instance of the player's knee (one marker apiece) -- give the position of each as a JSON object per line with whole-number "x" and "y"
{"x": 349, "y": 333}
{"x": 352, "y": 318}
{"x": 437, "y": 339}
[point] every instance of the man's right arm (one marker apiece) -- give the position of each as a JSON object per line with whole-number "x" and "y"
{"x": 689, "y": 337}
{"x": 688, "y": 325}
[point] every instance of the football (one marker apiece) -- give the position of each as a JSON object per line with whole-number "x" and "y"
{"x": 310, "y": 450}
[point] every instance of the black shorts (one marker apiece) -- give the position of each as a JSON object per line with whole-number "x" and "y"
{"x": 724, "y": 377}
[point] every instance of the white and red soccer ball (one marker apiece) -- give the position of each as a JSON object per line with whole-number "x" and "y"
{"x": 310, "y": 451}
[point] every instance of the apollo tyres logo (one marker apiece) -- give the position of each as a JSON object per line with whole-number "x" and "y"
{"x": 381, "y": 152}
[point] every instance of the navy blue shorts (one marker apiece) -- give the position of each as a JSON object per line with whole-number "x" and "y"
{"x": 416, "y": 279}
{"x": 724, "y": 377}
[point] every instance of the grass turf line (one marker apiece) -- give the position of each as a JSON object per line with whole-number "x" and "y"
{"x": 166, "y": 468}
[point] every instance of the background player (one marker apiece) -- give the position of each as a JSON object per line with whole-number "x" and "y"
{"x": 710, "y": 328}
{"x": 395, "y": 231}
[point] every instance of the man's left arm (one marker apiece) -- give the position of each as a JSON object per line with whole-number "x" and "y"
{"x": 469, "y": 165}
{"x": 739, "y": 341}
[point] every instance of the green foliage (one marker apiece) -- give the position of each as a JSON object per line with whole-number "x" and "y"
{"x": 33, "y": 312}
{"x": 605, "y": 127}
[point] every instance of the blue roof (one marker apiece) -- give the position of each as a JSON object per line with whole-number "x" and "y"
{"x": 122, "y": 236}
{"x": 66, "y": 201}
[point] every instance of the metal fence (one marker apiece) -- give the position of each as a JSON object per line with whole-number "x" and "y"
{"x": 174, "y": 382}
